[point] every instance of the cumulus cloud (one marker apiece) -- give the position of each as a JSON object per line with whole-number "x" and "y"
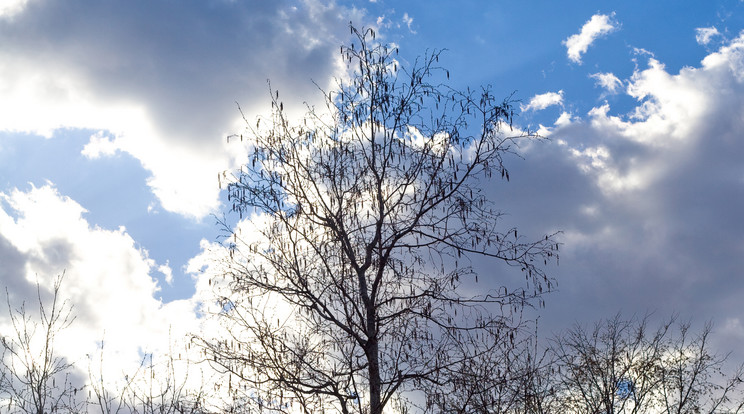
{"x": 599, "y": 25}
{"x": 161, "y": 80}
{"x": 705, "y": 35}
{"x": 607, "y": 81}
{"x": 649, "y": 200}
{"x": 542, "y": 101}
{"x": 108, "y": 279}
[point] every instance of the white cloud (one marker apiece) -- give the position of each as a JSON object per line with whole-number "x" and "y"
{"x": 166, "y": 270}
{"x": 107, "y": 279}
{"x": 704, "y": 35}
{"x": 671, "y": 105}
{"x": 542, "y": 101}
{"x": 9, "y": 8}
{"x": 599, "y": 25}
{"x": 564, "y": 119}
{"x": 408, "y": 21}
{"x": 99, "y": 145}
{"x": 163, "y": 84}
{"x": 729, "y": 59}
{"x": 607, "y": 81}
{"x": 639, "y": 51}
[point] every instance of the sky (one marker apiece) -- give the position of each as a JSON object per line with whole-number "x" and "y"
{"x": 114, "y": 117}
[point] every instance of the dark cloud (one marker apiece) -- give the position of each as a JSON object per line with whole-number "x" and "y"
{"x": 163, "y": 77}
{"x": 13, "y": 274}
{"x": 650, "y": 204}
{"x": 187, "y": 62}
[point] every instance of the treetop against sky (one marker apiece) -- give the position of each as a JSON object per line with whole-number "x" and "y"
{"x": 115, "y": 116}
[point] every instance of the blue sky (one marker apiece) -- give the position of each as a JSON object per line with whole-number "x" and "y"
{"x": 113, "y": 118}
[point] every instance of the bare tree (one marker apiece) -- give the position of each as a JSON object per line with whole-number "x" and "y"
{"x": 35, "y": 379}
{"x": 514, "y": 379}
{"x": 536, "y": 385}
{"x": 153, "y": 387}
{"x": 158, "y": 388}
{"x": 103, "y": 397}
{"x": 611, "y": 368}
{"x": 369, "y": 213}
{"x": 621, "y": 366}
{"x": 693, "y": 379}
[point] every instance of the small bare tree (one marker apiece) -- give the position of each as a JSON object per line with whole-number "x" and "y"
{"x": 102, "y": 396}
{"x": 507, "y": 380}
{"x": 35, "y": 379}
{"x": 693, "y": 379}
{"x": 622, "y": 366}
{"x": 153, "y": 387}
{"x": 369, "y": 213}
{"x": 534, "y": 387}
{"x": 159, "y": 389}
{"x": 612, "y": 368}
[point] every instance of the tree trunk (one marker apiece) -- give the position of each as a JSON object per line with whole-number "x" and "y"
{"x": 372, "y": 351}
{"x": 375, "y": 386}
